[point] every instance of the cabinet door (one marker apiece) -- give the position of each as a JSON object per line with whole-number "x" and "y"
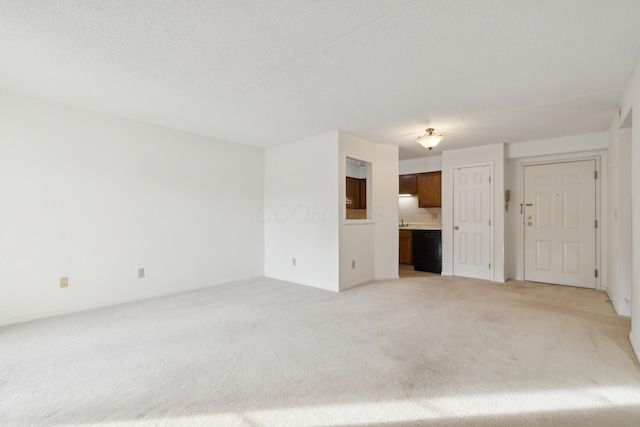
{"x": 408, "y": 184}
{"x": 362, "y": 193}
{"x": 353, "y": 193}
{"x": 430, "y": 190}
{"x": 406, "y": 247}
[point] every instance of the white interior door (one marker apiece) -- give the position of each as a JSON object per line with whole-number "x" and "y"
{"x": 472, "y": 222}
{"x": 560, "y": 223}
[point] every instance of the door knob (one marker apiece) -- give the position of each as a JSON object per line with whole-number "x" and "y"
{"x": 456, "y": 227}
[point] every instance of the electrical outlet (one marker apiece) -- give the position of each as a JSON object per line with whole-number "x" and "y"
{"x": 353, "y": 264}
{"x": 140, "y": 273}
{"x": 64, "y": 282}
{"x": 293, "y": 262}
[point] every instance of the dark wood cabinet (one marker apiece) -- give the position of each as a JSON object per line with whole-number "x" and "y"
{"x": 362, "y": 193}
{"x": 357, "y": 193}
{"x": 353, "y": 193}
{"x": 430, "y": 189}
{"x": 406, "y": 247}
{"x": 408, "y": 184}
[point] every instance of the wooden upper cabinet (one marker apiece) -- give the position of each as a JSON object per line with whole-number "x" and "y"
{"x": 408, "y": 184}
{"x": 363, "y": 193}
{"x": 353, "y": 193}
{"x": 430, "y": 189}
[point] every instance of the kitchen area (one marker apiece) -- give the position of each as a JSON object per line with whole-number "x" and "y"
{"x": 420, "y": 227}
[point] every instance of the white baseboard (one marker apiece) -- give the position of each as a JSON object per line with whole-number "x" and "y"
{"x": 387, "y": 277}
{"x": 93, "y": 306}
{"x": 353, "y": 285}
{"x": 619, "y": 311}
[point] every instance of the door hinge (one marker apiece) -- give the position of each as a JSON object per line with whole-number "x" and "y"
{"x": 489, "y": 179}
{"x": 489, "y": 222}
{"x": 596, "y": 223}
{"x": 596, "y": 272}
{"x": 595, "y": 175}
{"x": 489, "y": 265}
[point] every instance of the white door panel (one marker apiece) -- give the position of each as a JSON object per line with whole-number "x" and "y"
{"x": 559, "y": 223}
{"x": 471, "y": 216}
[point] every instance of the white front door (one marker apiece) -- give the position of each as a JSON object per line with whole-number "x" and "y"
{"x": 560, "y": 223}
{"x": 472, "y": 222}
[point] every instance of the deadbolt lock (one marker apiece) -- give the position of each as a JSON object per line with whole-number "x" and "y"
{"x": 529, "y": 223}
{"x": 456, "y": 227}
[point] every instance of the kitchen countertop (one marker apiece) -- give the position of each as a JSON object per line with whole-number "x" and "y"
{"x": 420, "y": 226}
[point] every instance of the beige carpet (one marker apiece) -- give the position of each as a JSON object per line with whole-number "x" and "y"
{"x": 420, "y": 350}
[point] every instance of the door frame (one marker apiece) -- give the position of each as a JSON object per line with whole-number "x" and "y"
{"x": 491, "y": 214}
{"x": 601, "y": 224}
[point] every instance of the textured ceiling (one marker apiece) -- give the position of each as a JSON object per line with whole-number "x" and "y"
{"x": 267, "y": 72}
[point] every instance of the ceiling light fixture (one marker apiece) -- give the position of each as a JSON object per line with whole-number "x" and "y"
{"x": 429, "y": 139}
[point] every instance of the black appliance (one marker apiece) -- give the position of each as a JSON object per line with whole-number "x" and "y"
{"x": 427, "y": 250}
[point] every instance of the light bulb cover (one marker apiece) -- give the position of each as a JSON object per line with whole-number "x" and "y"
{"x": 429, "y": 139}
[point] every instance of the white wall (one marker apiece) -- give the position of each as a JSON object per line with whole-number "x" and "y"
{"x": 304, "y": 213}
{"x": 488, "y": 154}
{"x": 619, "y": 240}
{"x": 631, "y": 105}
{"x": 423, "y": 164}
{"x": 554, "y": 146}
{"x": 357, "y": 238}
{"x": 386, "y": 212}
{"x": 556, "y": 149}
{"x": 95, "y": 197}
{"x": 373, "y": 245}
{"x": 301, "y": 212}
{"x": 623, "y": 217}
